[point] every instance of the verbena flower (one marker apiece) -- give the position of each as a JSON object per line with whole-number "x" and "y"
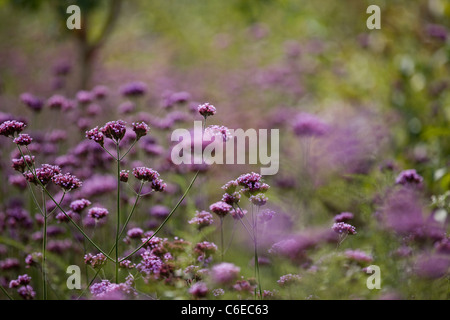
{"x": 124, "y": 175}
{"x": 67, "y": 181}
{"x": 11, "y": 127}
{"x": 206, "y": 110}
{"x": 133, "y": 89}
{"x": 44, "y": 174}
{"x": 98, "y": 213}
{"x": 220, "y": 208}
{"x": 31, "y": 101}
{"x": 258, "y": 200}
{"x": 79, "y": 205}
{"x": 265, "y": 216}
{"x": 409, "y": 177}
{"x": 84, "y": 97}
{"x": 23, "y": 139}
{"x": 26, "y": 292}
{"x": 202, "y": 219}
{"x": 95, "y": 261}
{"x": 309, "y": 125}
{"x": 23, "y": 163}
{"x": 114, "y": 130}
{"x": 288, "y": 279}
{"x": 96, "y": 135}
{"x": 343, "y": 217}
{"x": 231, "y": 199}
{"x": 199, "y": 289}
{"x": 140, "y": 129}
{"x": 358, "y": 256}
{"x": 342, "y": 227}
{"x": 220, "y": 131}
{"x": 225, "y": 272}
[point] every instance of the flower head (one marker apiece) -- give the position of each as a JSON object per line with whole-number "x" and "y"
{"x": 11, "y": 127}
{"x": 114, "y": 130}
{"x": 96, "y": 135}
{"x": 206, "y": 110}
{"x": 22, "y": 163}
{"x": 141, "y": 129}
{"x": 225, "y": 272}
{"x": 23, "y": 139}
{"x": 408, "y": 177}
{"x": 79, "y": 205}
{"x": 31, "y": 101}
{"x": 199, "y": 289}
{"x": 309, "y": 125}
{"x": 220, "y": 208}
{"x": 67, "y": 181}
{"x": 133, "y": 89}
{"x": 44, "y": 174}
{"x": 342, "y": 227}
{"x": 343, "y": 217}
{"x": 98, "y": 213}
{"x": 202, "y": 219}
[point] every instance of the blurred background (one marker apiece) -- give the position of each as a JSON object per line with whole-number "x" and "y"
{"x": 381, "y": 95}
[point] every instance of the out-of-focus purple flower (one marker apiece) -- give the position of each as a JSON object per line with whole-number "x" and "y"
{"x": 309, "y": 125}
{"x": 265, "y": 216}
{"x": 21, "y": 280}
{"x": 59, "y": 102}
{"x": 67, "y": 181}
{"x": 98, "y": 213}
{"x": 114, "y": 130}
{"x": 238, "y": 214}
{"x": 432, "y": 266}
{"x": 402, "y": 211}
{"x": 443, "y": 246}
{"x": 44, "y": 174}
{"x": 288, "y": 279}
{"x": 206, "y": 110}
{"x": 100, "y": 92}
{"x": 96, "y": 260}
{"x": 62, "y": 68}
{"x": 159, "y": 211}
{"x": 135, "y": 233}
{"x": 409, "y": 177}
{"x": 79, "y": 205}
{"x": 145, "y": 174}
{"x": 258, "y": 200}
{"x": 225, "y": 272}
{"x": 96, "y": 135}
{"x": 150, "y": 263}
{"x": 9, "y": 263}
{"x": 220, "y": 208}
{"x": 437, "y": 31}
{"x": 205, "y": 248}
{"x": 26, "y": 292}
{"x": 230, "y": 186}
{"x": 218, "y": 292}
{"x": 11, "y": 127}
{"x": 217, "y": 131}
{"x": 343, "y": 228}
{"x": 84, "y": 97}
{"x": 141, "y": 129}
{"x": 231, "y": 199}
{"x": 202, "y": 219}
{"x": 106, "y": 290}
{"x": 61, "y": 217}
{"x": 22, "y": 163}
{"x": 343, "y": 217}
{"x": 133, "y": 89}
{"x": 124, "y": 175}
{"x": 358, "y": 256}
{"x": 31, "y": 101}
{"x": 199, "y": 289}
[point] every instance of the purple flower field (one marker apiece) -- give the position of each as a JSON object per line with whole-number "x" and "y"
{"x": 224, "y": 150}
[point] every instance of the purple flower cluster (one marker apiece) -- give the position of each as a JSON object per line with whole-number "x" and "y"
{"x": 150, "y": 264}
{"x": 22, "y": 163}
{"x": 11, "y": 127}
{"x": 106, "y": 290}
{"x": 225, "y": 272}
{"x": 206, "y": 110}
{"x": 96, "y": 135}
{"x": 220, "y": 208}
{"x": 140, "y": 129}
{"x": 343, "y": 228}
{"x": 23, "y": 139}
{"x": 199, "y": 289}
{"x": 309, "y": 125}
{"x": 149, "y": 175}
{"x": 114, "y": 130}
{"x": 44, "y": 174}
{"x": 409, "y": 177}
{"x": 343, "y": 217}
{"x": 358, "y": 256}
{"x": 67, "y": 181}
{"x": 133, "y": 89}
{"x": 202, "y": 219}
{"x": 288, "y": 279}
{"x": 79, "y": 205}
{"x": 31, "y": 101}
{"x": 95, "y": 261}
{"x": 98, "y": 213}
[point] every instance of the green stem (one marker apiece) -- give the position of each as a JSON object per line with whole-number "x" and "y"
{"x": 118, "y": 213}
{"x": 221, "y": 237}
{"x": 167, "y": 218}
{"x": 6, "y": 293}
{"x": 62, "y": 210}
{"x": 44, "y": 248}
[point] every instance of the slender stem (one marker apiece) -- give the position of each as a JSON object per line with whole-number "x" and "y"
{"x": 62, "y": 210}
{"x": 6, "y": 292}
{"x": 129, "y": 149}
{"x": 118, "y": 213}
{"x": 221, "y": 237}
{"x": 167, "y": 218}
{"x": 44, "y": 248}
